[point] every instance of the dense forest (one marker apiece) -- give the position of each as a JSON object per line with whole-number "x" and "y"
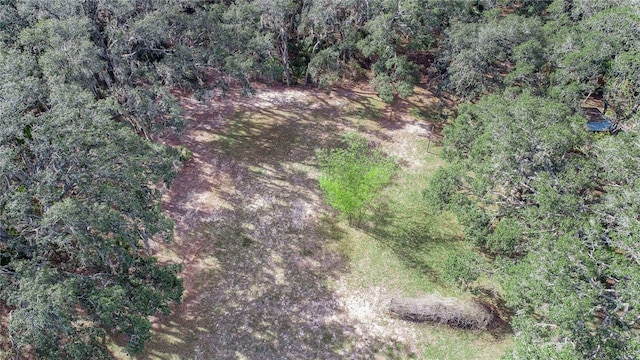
{"x": 552, "y": 208}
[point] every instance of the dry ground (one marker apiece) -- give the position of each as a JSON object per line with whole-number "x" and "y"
{"x": 264, "y": 265}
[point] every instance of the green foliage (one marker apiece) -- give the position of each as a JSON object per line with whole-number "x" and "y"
{"x": 588, "y": 45}
{"x": 85, "y": 84}
{"x": 505, "y": 237}
{"x": 78, "y": 196}
{"x": 525, "y": 181}
{"x": 76, "y": 217}
{"x": 622, "y": 84}
{"x": 553, "y": 215}
{"x": 442, "y": 189}
{"x": 396, "y": 75}
{"x": 479, "y": 55}
{"x": 462, "y": 269}
{"x": 352, "y": 176}
{"x": 324, "y": 67}
{"x": 393, "y": 73}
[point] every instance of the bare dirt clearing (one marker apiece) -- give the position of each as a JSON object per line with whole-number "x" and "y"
{"x": 263, "y": 268}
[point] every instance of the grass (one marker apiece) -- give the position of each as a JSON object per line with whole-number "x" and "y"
{"x": 402, "y": 248}
{"x": 367, "y": 108}
{"x": 402, "y": 251}
{"x": 271, "y": 273}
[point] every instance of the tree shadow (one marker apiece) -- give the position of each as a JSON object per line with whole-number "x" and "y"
{"x": 262, "y": 293}
{"x": 501, "y": 326}
{"x": 413, "y": 241}
{"x": 255, "y": 247}
{"x": 410, "y": 239}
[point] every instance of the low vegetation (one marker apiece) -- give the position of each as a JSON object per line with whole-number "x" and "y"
{"x": 353, "y": 176}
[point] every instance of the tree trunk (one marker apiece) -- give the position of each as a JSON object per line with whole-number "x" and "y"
{"x": 285, "y": 57}
{"x": 453, "y": 312}
{"x": 307, "y": 76}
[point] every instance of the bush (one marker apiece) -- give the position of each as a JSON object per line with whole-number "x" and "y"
{"x": 352, "y": 176}
{"x": 462, "y": 269}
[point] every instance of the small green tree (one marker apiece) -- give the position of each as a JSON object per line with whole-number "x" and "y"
{"x": 352, "y": 176}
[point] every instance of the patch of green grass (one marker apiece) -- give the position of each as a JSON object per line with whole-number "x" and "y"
{"x": 426, "y": 114}
{"x": 457, "y": 344}
{"x": 376, "y": 264}
{"x": 238, "y": 130}
{"x": 402, "y": 245}
{"x": 368, "y": 109}
{"x": 432, "y": 113}
{"x": 375, "y": 102}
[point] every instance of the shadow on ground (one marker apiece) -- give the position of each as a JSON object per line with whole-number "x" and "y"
{"x": 411, "y": 238}
{"x": 250, "y": 234}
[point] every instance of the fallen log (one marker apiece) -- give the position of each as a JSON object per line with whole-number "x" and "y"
{"x": 441, "y": 310}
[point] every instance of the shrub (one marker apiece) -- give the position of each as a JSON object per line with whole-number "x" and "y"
{"x": 353, "y": 175}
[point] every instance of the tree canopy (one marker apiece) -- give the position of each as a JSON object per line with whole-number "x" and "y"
{"x": 547, "y": 200}
{"x": 78, "y": 191}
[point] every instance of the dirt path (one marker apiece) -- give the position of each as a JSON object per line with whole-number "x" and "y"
{"x": 258, "y": 253}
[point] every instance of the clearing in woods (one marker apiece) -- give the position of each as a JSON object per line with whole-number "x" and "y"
{"x": 269, "y": 272}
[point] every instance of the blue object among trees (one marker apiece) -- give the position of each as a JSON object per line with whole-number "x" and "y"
{"x": 597, "y": 121}
{"x": 605, "y": 125}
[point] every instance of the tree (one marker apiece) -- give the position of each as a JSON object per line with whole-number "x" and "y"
{"x": 548, "y": 202}
{"x": 352, "y": 176}
{"x": 621, "y": 90}
{"x": 78, "y": 185}
{"x": 76, "y": 208}
{"x": 378, "y": 35}
{"x": 479, "y": 55}
{"x": 585, "y": 43}
{"x": 552, "y": 205}
{"x": 394, "y": 22}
